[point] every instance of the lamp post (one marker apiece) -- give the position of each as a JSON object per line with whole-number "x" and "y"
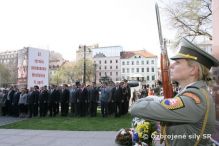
{"x": 95, "y": 72}
{"x": 84, "y": 77}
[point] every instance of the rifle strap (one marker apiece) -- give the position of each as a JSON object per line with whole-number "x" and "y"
{"x": 162, "y": 131}
{"x": 205, "y": 118}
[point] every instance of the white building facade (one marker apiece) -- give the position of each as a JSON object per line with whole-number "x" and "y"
{"x": 9, "y": 59}
{"x": 107, "y": 62}
{"x": 139, "y": 65}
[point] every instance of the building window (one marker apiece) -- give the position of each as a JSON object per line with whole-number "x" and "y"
{"x": 117, "y": 73}
{"x": 152, "y": 61}
{"x": 137, "y": 62}
{"x": 147, "y": 62}
{"x": 148, "y": 78}
{"x": 153, "y": 78}
{"x": 105, "y": 62}
{"x": 99, "y": 61}
{"x": 105, "y": 67}
{"x": 142, "y": 62}
{"x": 127, "y": 70}
{"x": 111, "y": 61}
{"x": 116, "y": 61}
{"x": 110, "y": 73}
{"x": 133, "y": 63}
{"x": 100, "y": 67}
{"x": 147, "y": 69}
{"x": 133, "y": 70}
{"x": 137, "y": 69}
{"x": 116, "y": 67}
{"x": 100, "y": 74}
{"x": 123, "y": 70}
{"x": 142, "y": 69}
{"x": 105, "y": 74}
{"x": 152, "y": 69}
{"x": 127, "y": 62}
{"x": 110, "y": 67}
{"x": 123, "y": 63}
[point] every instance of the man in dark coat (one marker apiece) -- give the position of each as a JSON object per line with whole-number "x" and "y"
{"x": 8, "y": 103}
{"x": 117, "y": 99}
{"x": 15, "y": 99}
{"x": 83, "y": 99}
{"x": 36, "y": 93}
{"x": 53, "y": 101}
{"x": 126, "y": 91}
{"x": 94, "y": 97}
{"x": 43, "y": 101}
{"x": 65, "y": 100}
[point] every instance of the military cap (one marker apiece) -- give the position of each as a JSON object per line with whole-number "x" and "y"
{"x": 190, "y": 51}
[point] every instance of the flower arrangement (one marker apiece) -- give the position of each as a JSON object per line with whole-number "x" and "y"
{"x": 138, "y": 135}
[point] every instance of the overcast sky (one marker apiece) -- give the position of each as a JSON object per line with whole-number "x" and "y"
{"x": 62, "y": 25}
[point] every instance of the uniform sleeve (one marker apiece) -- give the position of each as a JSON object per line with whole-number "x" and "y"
{"x": 177, "y": 109}
{"x": 150, "y": 98}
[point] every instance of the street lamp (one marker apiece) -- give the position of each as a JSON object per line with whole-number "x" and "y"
{"x": 95, "y": 72}
{"x": 84, "y": 77}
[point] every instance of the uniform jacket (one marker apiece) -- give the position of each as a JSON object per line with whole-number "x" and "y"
{"x": 184, "y": 114}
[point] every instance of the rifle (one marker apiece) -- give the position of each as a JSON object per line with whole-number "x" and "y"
{"x": 164, "y": 61}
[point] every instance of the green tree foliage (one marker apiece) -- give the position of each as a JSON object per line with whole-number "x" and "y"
{"x": 69, "y": 72}
{"x": 4, "y": 75}
{"x": 190, "y": 17}
{"x": 57, "y": 78}
{"x": 79, "y": 70}
{"x": 73, "y": 71}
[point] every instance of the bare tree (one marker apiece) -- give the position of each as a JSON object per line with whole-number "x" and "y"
{"x": 190, "y": 17}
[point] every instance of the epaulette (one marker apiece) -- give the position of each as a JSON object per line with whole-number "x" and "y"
{"x": 192, "y": 96}
{"x": 192, "y": 87}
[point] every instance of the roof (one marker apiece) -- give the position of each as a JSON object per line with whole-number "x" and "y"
{"x": 99, "y": 55}
{"x": 129, "y": 54}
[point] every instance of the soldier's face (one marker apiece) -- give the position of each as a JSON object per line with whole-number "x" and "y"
{"x": 180, "y": 70}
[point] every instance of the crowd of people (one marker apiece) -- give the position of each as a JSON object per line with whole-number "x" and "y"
{"x": 76, "y": 100}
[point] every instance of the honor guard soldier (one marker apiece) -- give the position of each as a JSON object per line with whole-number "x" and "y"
{"x": 189, "y": 117}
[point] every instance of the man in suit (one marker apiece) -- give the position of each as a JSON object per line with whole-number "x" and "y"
{"x": 94, "y": 97}
{"x": 65, "y": 100}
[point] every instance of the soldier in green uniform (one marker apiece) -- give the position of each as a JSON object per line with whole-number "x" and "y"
{"x": 189, "y": 117}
